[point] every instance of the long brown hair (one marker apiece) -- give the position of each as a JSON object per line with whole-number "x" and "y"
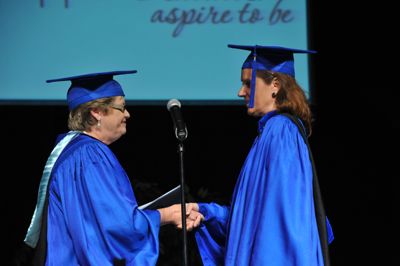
{"x": 290, "y": 98}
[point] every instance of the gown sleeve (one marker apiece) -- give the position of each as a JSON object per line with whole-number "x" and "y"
{"x": 100, "y": 212}
{"x": 211, "y": 235}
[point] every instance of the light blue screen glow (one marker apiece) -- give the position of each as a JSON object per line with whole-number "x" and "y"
{"x": 179, "y": 47}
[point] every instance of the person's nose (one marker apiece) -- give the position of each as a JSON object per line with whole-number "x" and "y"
{"x": 127, "y": 114}
{"x": 242, "y": 92}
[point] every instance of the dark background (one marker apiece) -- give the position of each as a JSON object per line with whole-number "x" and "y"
{"x": 350, "y": 142}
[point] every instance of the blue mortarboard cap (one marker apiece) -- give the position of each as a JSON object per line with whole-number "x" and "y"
{"x": 273, "y": 58}
{"x": 89, "y": 87}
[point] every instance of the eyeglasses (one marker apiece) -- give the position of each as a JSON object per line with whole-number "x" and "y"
{"x": 118, "y": 107}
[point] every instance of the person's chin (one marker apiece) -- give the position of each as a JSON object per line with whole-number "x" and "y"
{"x": 254, "y": 112}
{"x": 123, "y": 130}
{"x": 251, "y": 111}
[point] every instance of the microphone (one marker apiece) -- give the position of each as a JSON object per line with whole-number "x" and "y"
{"x": 174, "y": 107}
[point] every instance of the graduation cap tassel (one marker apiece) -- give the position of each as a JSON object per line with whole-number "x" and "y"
{"x": 253, "y": 79}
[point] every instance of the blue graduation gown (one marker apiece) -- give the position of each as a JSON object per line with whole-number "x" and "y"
{"x": 93, "y": 216}
{"x": 271, "y": 220}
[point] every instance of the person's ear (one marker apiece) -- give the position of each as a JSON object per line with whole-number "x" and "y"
{"x": 276, "y": 85}
{"x": 95, "y": 112}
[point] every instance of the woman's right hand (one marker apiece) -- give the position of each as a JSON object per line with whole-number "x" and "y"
{"x": 193, "y": 216}
{"x": 172, "y": 215}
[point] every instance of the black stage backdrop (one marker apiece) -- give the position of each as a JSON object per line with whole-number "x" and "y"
{"x": 350, "y": 138}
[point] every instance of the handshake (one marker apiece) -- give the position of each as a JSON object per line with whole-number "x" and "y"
{"x": 172, "y": 215}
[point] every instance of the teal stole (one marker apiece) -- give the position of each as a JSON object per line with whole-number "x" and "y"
{"x": 32, "y": 235}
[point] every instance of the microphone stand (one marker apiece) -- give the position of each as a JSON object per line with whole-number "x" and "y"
{"x": 183, "y": 205}
{"x": 181, "y": 133}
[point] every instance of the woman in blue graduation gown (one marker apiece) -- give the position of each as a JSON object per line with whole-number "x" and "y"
{"x": 275, "y": 216}
{"x": 87, "y": 213}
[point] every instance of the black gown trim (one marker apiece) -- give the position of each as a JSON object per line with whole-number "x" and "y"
{"x": 318, "y": 202}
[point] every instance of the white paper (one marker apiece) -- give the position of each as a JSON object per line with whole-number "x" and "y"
{"x": 167, "y": 199}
